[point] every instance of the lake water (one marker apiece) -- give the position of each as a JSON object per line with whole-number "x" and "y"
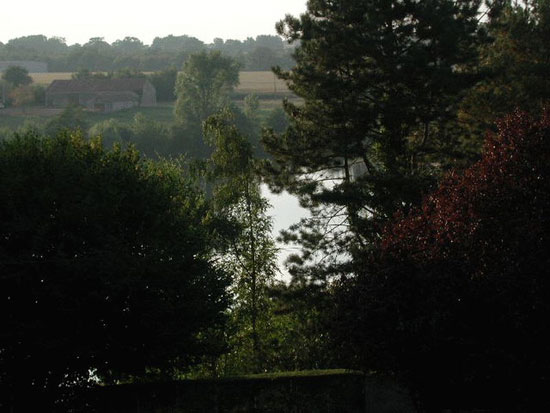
{"x": 285, "y": 211}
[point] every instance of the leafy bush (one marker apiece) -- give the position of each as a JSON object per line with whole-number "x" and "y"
{"x": 105, "y": 268}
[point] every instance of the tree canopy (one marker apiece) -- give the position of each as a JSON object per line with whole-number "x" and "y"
{"x": 17, "y": 76}
{"x": 514, "y": 63}
{"x": 380, "y": 80}
{"x": 99, "y": 56}
{"x": 455, "y": 296}
{"x": 105, "y": 267}
{"x": 202, "y": 89}
{"x": 203, "y": 86}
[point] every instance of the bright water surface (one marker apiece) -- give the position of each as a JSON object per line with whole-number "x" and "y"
{"x": 285, "y": 211}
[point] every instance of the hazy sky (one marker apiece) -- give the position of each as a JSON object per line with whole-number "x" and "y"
{"x": 77, "y": 21}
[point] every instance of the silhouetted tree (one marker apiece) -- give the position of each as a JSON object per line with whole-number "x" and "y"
{"x": 456, "y": 296}
{"x": 514, "y": 64}
{"x": 105, "y": 268}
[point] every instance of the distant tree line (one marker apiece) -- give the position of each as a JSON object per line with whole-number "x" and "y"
{"x": 261, "y": 53}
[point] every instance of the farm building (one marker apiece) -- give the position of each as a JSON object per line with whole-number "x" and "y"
{"x": 103, "y": 95}
{"x": 32, "y": 67}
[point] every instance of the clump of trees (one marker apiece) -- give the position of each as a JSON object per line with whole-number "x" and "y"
{"x": 390, "y": 104}
{"x": 106, "y": 268}
{"x": 150, "y": 137}
{"x": 72, "y": 118}
{"x": 455, "y": 295}
{"x": 381, "y": 83}
{"x": 17, "y": 90}
{"x": 97, "y": 55}
{"x": 17, "y": 76}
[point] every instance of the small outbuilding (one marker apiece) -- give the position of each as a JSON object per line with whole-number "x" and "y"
{"x": 102, "y": 95}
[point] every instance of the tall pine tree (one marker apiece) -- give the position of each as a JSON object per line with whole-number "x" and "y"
{"x": 380, "y": 80}
{"x": 515, "y": 64}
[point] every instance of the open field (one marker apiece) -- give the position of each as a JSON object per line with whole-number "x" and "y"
{"x": 260, "y": 82}
{"x": 257, "y": 82}
{"x": 47, "y": 78}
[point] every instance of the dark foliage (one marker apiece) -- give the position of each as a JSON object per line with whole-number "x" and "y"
{"x": 309, "y": 391}
{"x": 104, "y": 268}
{"x": 514, "y": 63}
{"x": 165, "y": 84}
{"x": 457, "y": 295}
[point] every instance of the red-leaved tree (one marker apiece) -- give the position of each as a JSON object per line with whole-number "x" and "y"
{"x": 456, "y": 298}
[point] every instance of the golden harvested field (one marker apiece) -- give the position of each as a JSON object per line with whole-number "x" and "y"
{"x": 47, "y": 78}
{"x": 259, "y": 82}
